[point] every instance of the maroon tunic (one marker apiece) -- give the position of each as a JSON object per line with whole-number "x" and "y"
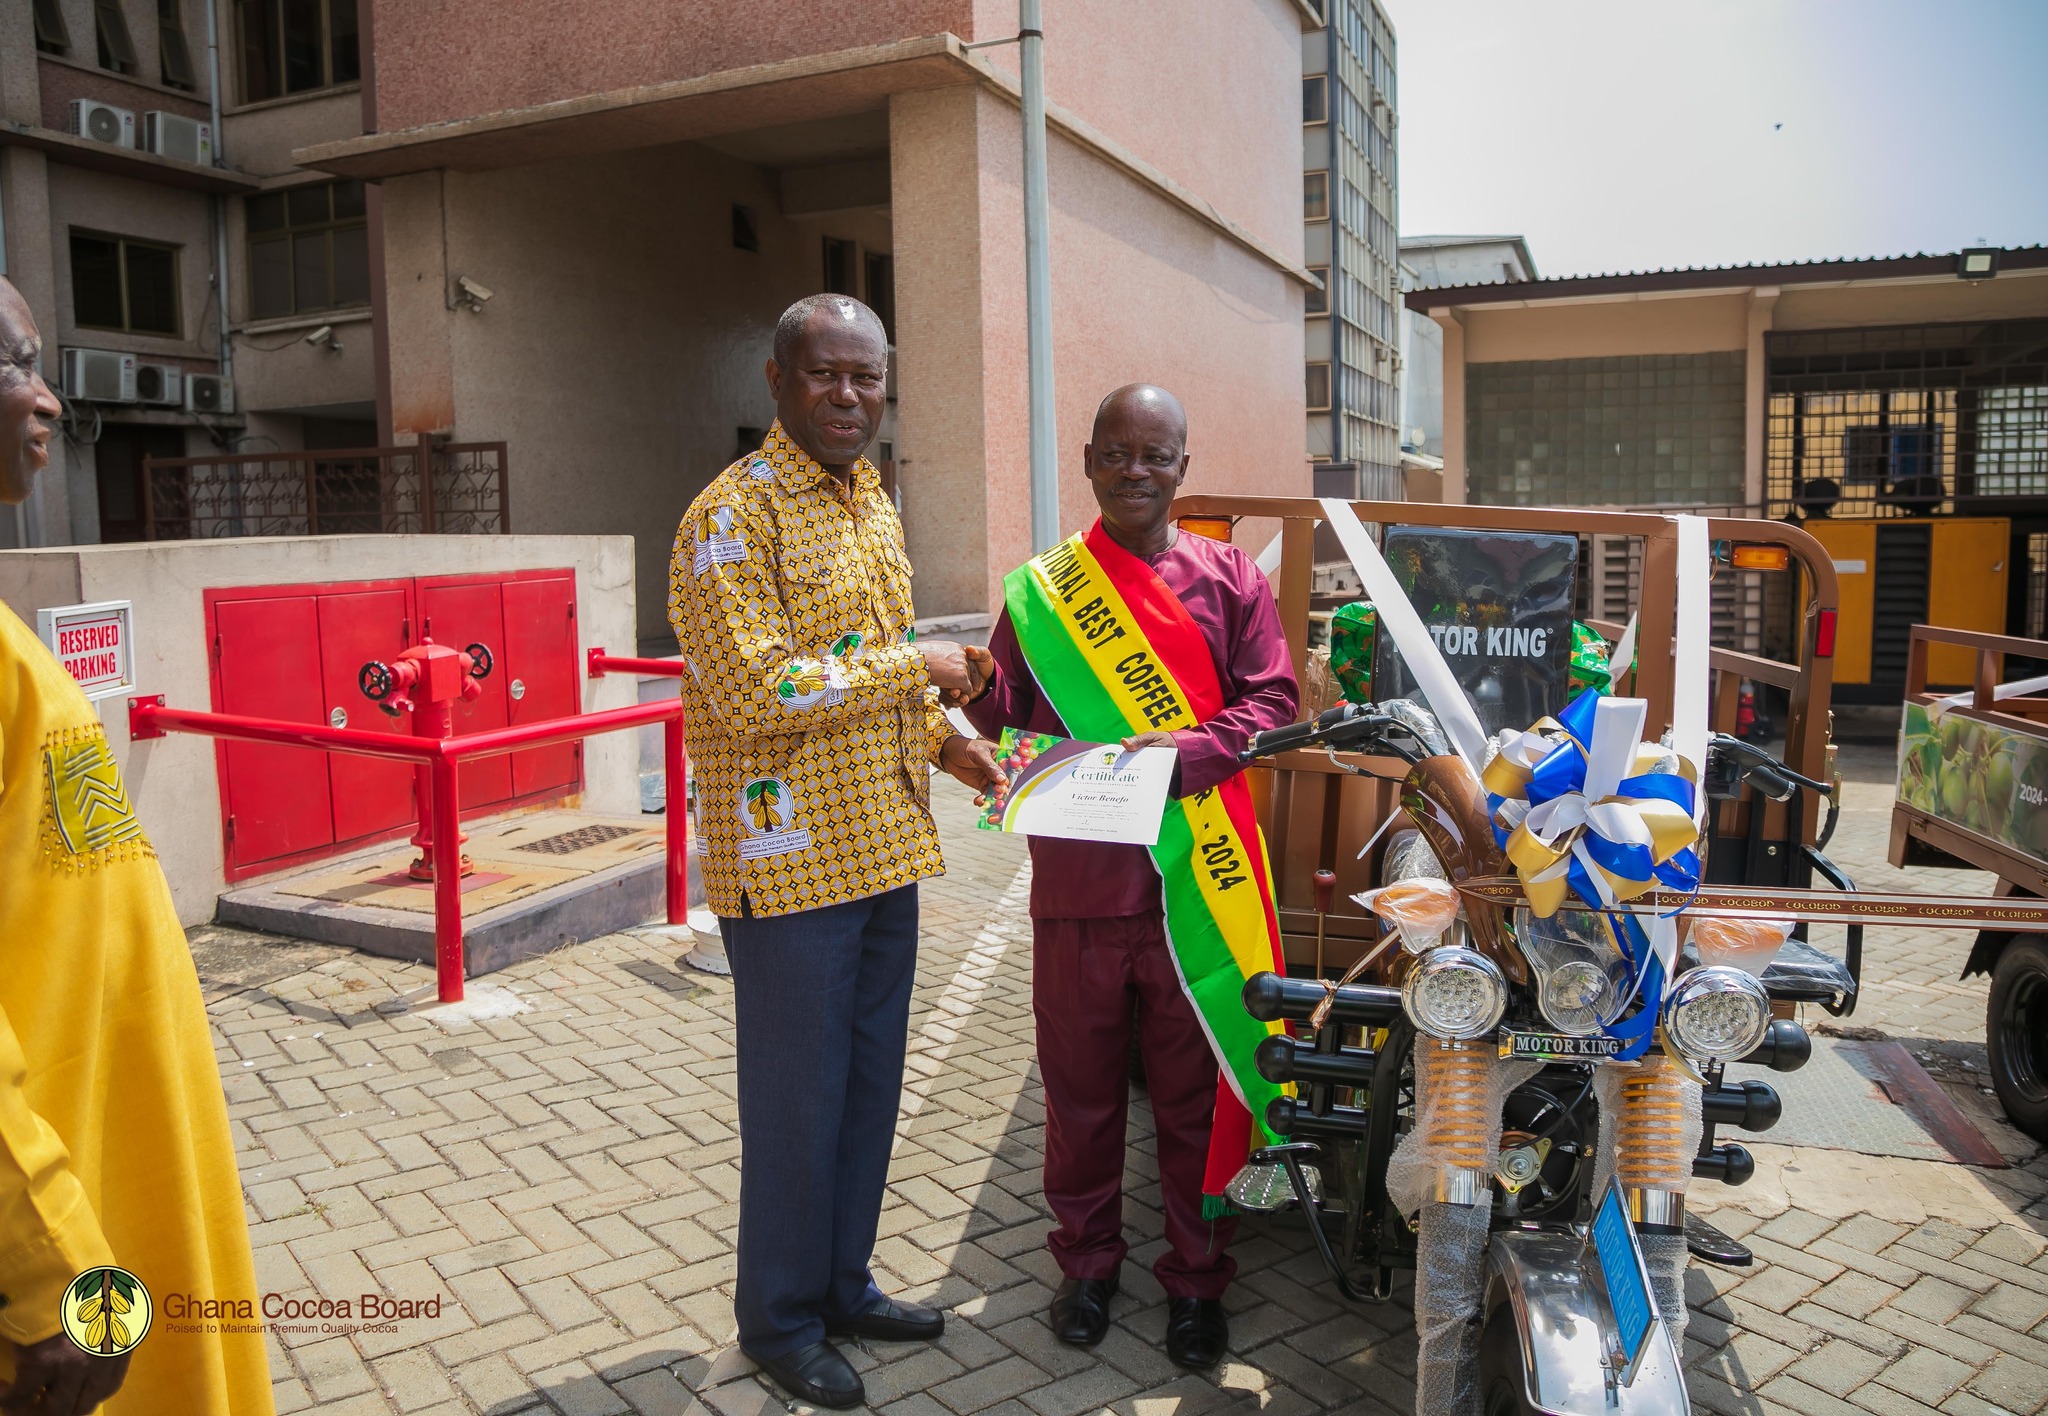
{"x": 1227, "y": 596}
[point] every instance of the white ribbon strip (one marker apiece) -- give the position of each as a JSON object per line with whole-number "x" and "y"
{"x": 1689, "y": 692}
{"x": 1425, "y": 661}
{"x": 1624, "y": 652}
{"x": 2018, "y": 689}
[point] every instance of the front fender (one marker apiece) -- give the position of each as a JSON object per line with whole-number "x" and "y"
{"x": 1536, "y": 1274}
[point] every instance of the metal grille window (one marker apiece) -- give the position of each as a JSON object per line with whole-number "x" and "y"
{"x": 296, "y": 46}
{"x": 117, "y": 46}
{"x": 123, "y": 284}
{"x": 1633, "y": 430}
{"x": 309, "y": 249}
{"x": 174, "y": 56}
{"x": 1908, "y": 419}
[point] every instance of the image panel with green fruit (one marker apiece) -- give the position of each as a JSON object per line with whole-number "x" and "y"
{"x": 1987, "y": 779}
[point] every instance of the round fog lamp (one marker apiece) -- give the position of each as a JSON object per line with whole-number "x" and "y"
{"x": 1454, "y": 993}
{"x": 1717, "y": 1013}
{"x": 1576, "y": 996}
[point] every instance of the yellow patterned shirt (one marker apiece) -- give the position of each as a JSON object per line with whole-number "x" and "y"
{"x": 811, "y": 720}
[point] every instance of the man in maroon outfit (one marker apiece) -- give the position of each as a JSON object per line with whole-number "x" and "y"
{"x": 1099, "y": 947}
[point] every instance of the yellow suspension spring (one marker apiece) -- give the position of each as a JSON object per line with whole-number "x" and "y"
{"x": 1649, "y": 1135}
{"x": 1454, "y": 1077}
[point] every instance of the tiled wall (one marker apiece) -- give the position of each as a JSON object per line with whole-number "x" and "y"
{"x": 1627, "y": 431}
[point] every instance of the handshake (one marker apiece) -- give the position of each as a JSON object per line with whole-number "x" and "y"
{"x": 959, "y": 671}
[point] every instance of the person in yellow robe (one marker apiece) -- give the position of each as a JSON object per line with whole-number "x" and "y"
{"x": 114, "y": 1145}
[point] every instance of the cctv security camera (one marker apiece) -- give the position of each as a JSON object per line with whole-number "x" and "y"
{"x": 473, "y": 289}
{"x": 321, "y": 335}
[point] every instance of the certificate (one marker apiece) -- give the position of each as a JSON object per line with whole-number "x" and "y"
{"x": 1080, "y": 791}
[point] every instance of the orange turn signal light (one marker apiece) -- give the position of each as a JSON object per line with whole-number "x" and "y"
{"x": 1760, "y": 557}
{"x": 1216, "y": 528}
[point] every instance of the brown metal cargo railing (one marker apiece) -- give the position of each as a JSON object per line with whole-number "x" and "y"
{"x": 328, "y": 492}
{"x": 1317, "y": 816}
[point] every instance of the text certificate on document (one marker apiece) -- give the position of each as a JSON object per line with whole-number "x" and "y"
{"x": 1082, "y": 791}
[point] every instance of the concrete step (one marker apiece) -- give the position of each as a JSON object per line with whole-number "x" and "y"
{"x": 543, "y": 879}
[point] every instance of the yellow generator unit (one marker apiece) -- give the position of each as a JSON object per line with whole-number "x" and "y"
{"x": 1898, "y": 572}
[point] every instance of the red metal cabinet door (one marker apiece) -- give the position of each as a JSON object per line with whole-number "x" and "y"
{"x": 269, "y": 667}
{"x": 370, "y": 797}
{"x": 540, "y": 654}
{"x": 459, "y": 615}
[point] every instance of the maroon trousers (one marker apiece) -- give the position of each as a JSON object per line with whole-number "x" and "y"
{"x": 1091, "y": 979}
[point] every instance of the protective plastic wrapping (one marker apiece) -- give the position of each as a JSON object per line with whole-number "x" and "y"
{"x": 1450, "y": 1280}
{"x": 1665, "y": 1256}
{"x": 1664, "y": 1253}
{"x": 1421, "y": 722}
{"x": 1409, "y": 857}
{"x": 1413, "y": 1167}
{"x": 1802, "y": 967}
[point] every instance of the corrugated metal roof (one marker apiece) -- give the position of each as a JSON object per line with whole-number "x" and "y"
{"x": 1919, "y": 263}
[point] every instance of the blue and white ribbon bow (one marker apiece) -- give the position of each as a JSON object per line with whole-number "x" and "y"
{"x": 1581, "y": 808}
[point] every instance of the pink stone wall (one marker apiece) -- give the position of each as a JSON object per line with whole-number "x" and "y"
{"x": 445, "y": 59}
{"x": 1208, "y": 92}
{"x": 1141, "y": 292}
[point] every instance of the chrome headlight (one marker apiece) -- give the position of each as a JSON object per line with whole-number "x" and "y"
{"x": 1454, "y": 993}
{"x": 1717, "y": 1014}
{"x": 1581, "y": 977}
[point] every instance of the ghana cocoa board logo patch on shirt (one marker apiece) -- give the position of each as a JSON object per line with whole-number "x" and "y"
{"x": 106, "y": 1312}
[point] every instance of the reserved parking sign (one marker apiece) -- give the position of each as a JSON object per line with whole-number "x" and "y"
{"x": 94, "y": 643}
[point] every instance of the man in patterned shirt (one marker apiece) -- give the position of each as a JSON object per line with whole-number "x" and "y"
{"x": 813, "y": 725}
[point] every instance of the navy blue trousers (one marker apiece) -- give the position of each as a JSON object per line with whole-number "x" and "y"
{"x": 823, "y": 1008}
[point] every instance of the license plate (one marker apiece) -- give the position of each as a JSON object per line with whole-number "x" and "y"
{"x": 1626, "y": 1280}
{"x": 1556, "y": 1047}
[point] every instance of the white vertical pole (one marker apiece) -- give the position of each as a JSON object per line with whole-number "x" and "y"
{"x": 1045, "y": 489}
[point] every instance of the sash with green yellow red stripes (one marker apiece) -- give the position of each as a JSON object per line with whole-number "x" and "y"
{"x": 1116, "y": 653}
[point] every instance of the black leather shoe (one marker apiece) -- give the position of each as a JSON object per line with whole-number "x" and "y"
{"x": 1196, "y": 1332}
{"x": 890, "y": 1320}
{"x": 817, "y": 1374}
{"x": 1080, "y": 1310}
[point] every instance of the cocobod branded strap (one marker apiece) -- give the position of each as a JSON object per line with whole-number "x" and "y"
{"x": 1439, "y": 685}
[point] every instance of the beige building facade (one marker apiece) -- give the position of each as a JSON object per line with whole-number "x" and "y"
{"x": 590, "y": 228}
{"x": 133, "y": 157}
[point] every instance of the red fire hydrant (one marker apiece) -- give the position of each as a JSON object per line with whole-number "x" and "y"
{"x": 425, "y": 681}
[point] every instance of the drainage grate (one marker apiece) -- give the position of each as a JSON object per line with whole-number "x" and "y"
{"x": 582, "y": 838}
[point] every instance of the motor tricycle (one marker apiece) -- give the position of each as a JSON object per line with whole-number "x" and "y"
{"x": 1461, "y": 1105}
{"x": 1973, "y": 774}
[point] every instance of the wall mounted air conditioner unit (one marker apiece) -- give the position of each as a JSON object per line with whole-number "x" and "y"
{"x": 99, "y": 375}
{"x": 209, "y": 393}
{"x": 160, "y": 383}
{"x": 175, "y": 136}
{"x": 102, "y": 122}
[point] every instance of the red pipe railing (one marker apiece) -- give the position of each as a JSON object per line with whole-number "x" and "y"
{"x": 149, "y": 718}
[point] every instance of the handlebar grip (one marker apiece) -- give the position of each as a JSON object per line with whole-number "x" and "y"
{"x": 1277, "y": 740}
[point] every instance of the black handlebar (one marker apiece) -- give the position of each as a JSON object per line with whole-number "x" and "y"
{"x": 1731, "y": 761}
{"x": 1346, "y": 727}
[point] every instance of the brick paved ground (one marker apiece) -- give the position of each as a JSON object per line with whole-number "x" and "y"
{"x": 567, "y": 1179}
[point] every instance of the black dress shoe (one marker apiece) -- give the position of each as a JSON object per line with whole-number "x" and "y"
{"x": 890, "y": 1320}
{"x": 1080, "y": 1310}
{"x": 1196, "y": 1332}
{"x": 817, "y": 1374}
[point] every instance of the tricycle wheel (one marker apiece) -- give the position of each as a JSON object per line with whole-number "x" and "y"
{"x": 2016, "y": 1029}
{"x": 1503, "y": 1387}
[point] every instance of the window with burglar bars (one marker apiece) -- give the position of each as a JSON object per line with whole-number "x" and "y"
{"x": 309, "y": 249}
{"x": 1907, "y": 420}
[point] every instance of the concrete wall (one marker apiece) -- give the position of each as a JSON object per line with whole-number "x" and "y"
{"x": 626, "y": 338}
{"x": 462, "y": 57}
{"x": 173, "y": 781}
{"x": 1208, "y": 93}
